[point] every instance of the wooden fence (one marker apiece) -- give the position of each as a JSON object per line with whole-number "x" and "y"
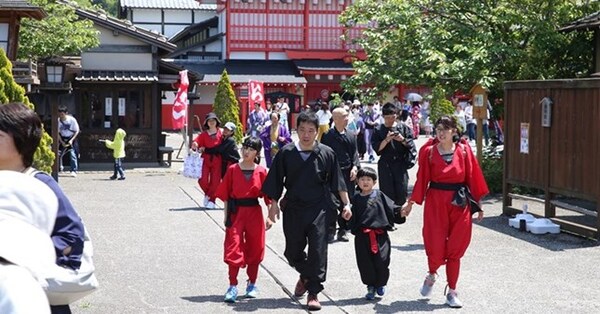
{"x": 552, "y": 143}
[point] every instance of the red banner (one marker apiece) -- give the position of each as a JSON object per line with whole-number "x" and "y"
{"x": 181, "y": 101}
{"x": 256, "y": 94}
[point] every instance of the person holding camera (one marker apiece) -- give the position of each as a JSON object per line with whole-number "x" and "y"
{"x": 393, "y": 142}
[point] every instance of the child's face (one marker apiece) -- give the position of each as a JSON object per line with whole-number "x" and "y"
{"x": 366, "y": 183}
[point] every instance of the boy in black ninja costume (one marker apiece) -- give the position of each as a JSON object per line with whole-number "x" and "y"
{"x": 373, "y": 216}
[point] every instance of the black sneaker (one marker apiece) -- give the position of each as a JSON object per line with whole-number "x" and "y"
{"x": 331, "y": 237}
{"x": 342, "y": 236}
{"x": 121, "y": 178}
{"x": 113, "y": 178}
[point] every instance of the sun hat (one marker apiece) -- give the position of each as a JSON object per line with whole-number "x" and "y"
{"x": 231, "y": 126}
{"x": 209, "y": 116}
{"x": 27, "y": 214}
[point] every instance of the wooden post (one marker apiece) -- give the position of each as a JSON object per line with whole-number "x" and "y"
{"x": 479, "y": 102}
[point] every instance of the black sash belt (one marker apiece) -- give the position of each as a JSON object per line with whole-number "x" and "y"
{"x": 461, "y": 196}
{"x": 233, "y": 203}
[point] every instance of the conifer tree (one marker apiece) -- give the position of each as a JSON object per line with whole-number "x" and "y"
{"x": 10, "y": 91}
{"x": 226, "y": 106}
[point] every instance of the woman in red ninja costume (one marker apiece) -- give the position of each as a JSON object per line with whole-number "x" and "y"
{"x": 211, "y": 166}
{"x": 451, "y": 181}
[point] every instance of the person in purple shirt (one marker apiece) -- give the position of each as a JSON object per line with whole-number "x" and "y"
{"x": 256, "y": 121}
{"x": 274, "y": 137}
{"x": 20, "y": 134}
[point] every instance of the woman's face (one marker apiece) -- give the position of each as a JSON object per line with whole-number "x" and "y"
{"x": 274, "y": 119}
{"x": 212, "y": 123}
{"x": 249, "y": 153}
{"x": 443, "y": 134}
{"x": 9, "y": 156}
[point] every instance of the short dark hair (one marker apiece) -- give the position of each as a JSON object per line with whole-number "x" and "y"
{"x": 25, "y": 127}
{"x": 63, "y": 108}
{"x": 447, "y": 122}
{"x": 276, "y": 114}
{"x": 367, "y": 172}
{"x": 308, "y": 117}
{"x": 389, "y": 109}
{"x": 254, "y": 143}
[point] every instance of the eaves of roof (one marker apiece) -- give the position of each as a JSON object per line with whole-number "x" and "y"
{"x": 589, "y": 22}
{"x": 126, "y": 27}
{"x": 167, "y": 4}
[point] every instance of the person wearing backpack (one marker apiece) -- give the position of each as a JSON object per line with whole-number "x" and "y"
{"x": 393, "y": 142}
{"x": 451, "y": 180}
{"x": 20, "y": 133}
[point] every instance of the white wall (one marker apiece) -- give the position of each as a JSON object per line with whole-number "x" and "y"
{"x": 107, "y": 37}
{"x": 146, "y": 16}
{"x": 116, "y": 61}
{"x": 243, "y": 55}
{"x": 178, "y": 16}
{"x": 207, "y": 94}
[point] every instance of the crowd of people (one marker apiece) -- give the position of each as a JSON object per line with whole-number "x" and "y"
{"x": 312, "y": 185}
{"x": 328, "y": 193}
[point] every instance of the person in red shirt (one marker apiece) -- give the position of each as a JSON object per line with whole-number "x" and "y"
{"x": 244, "y": 221}
{"x": 211, "y": 166}
{"x": 451, "y": 180}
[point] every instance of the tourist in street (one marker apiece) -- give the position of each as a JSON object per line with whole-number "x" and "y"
{"x": 471, "y": 122}
{"x": 274, "y": 137}
{"x": 310, "y": 173}
{"x": 370, "y": 118}
{"x": 68, "y": 130}
{"x": 117, "y": 145}
{"x": 245, "y": 226}
{"x": 415, "y": 114}
{"x": 373, "y": 215}
{"x": 343, "y": 143}
{"x": 211, "y": 166}
{"x": 27, "y": 214}
{"x": 283, "y": 109}
{"x": 20, "y": 135}
{"x": 227, "y": 149}
{"x": 453, "y": 183}
{"x": 324, "y": 115}
{"x": 394, "y": 144}
{"x": 256, "y": 120}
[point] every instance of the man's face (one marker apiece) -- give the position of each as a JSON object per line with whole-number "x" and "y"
{"x": 62, "y": 115}
{"x": 227, "y": 132}
{"x": 389, "y": 119}
{"x": 366, "y": 183}
{"x": 307, "y": 133}
{"x": 340, "y": 118}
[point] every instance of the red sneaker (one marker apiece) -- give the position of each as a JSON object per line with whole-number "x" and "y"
{"x": 313, "y": 303}
{"x": 300, "y": 288}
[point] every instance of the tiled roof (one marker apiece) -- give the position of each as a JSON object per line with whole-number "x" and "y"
{"x": 589, "y": 22}
{"x": 22, "y": 8}
{"x": 167, "y": 4}
{"x": 117, "y": 76}
{"x": 323, "y": 65}
{"x": 241, "y": 71}
{"x": 126, "y": 27}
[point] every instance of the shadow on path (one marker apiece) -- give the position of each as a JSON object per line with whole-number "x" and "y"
{"x": 248, "y": 305}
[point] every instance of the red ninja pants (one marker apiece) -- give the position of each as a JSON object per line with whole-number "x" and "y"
{"x": 446, "y": 233}
{"x": 245, "y": 242}
{"x": 211, "y": 176}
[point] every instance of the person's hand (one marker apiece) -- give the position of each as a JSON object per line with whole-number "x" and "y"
{"x": 479, "y": 216}
{"x": 353, "y": 173}
{"x": 281, "y": 139}
{"x": 399, "y": 138}
{"x": 269, "y": 223}
{"x": 346, "y": 213}
{"x": 194, "y": 145}
{"x": 201, "y": 149}
{"x": 406, "y": 209}
{"x": 274, "y": 212}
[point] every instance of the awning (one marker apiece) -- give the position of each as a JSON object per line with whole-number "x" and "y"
{"x": 117, "y": 76}
{"x": 324, "y": 67}
{"x": 242, "y": 71}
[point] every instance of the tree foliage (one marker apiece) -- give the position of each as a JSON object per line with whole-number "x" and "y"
{"x": 458, "y": 43}
{"x": 10, "y": 91}
{"x": 61, "y": 33}
{"x": 440, "y": 105}
{"x": 226, "y": 106}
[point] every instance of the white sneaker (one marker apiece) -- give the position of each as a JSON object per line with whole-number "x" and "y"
{"x": 73, "y": 174}
{"x": 205, "y": 201}
{"x": 452, "y": 300}
{"x": 428, "y": 285}
{"x": 210, "y": 205}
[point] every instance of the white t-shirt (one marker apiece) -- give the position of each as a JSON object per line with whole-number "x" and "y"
{"x": 20, "y": 292}
{"x": 283, "y": 110}
{"x": 68, "y": 127}
{"x": 324, "y": 117}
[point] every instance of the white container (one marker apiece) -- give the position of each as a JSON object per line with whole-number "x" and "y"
{"x": 543, "y": 225}
{"x": 514, "y": 222}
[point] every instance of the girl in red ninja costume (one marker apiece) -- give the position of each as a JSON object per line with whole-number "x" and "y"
{"x": 451, "y": 181}
{"x": 245, "y": 225}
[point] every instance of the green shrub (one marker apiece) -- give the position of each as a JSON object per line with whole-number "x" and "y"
{"x": 492, "y": 165}
{"x": 440, "y": 106}
{"x": 10, "y": 91}
{"x": 226, "y": 106}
